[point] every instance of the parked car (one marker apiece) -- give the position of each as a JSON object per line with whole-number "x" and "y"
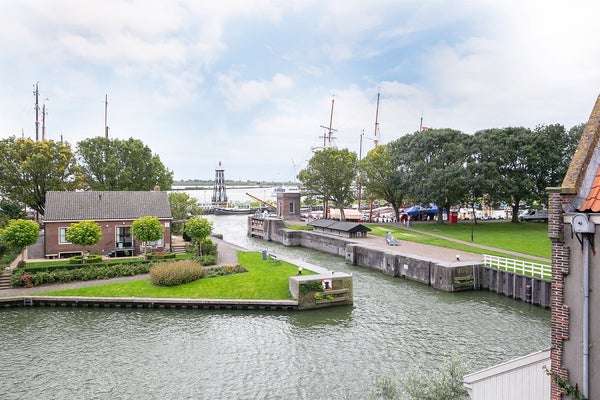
{"x": 534, "y": 215}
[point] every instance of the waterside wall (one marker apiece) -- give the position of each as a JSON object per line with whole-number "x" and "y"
{"x": 446, "y": 276}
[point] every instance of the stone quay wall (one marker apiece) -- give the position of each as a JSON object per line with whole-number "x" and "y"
{"x": 445, "y": 276}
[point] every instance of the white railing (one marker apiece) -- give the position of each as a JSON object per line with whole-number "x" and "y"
{"x": 518, "y": 267}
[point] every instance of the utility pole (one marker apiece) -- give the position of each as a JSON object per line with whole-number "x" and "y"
{"x": 37, "y": 110}
{"x": 375, "y": 138}
{"x": 43, "y": 122}
{"x": 362, "y": 133}
{"x": 44, "y": 113}
{"x": 105, "y": 116}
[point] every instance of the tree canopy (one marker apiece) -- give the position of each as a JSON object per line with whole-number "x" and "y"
{"x": 382, "y": 177}
{"x": 198, "y": 229}
{"x": 84, "y": 233}
{"x": 29, "y": 169}
{"x": 20, "y": 233}
{"x": 330, "y": 175}
{"x": 113, "y": 164}
{"x": 147, "y": 229}
{"x": 182, "y": 207}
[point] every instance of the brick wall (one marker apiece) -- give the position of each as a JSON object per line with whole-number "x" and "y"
{"x": 560, "y": 267}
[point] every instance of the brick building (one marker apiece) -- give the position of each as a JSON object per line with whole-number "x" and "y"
{"x": 113, "y": 211}
{"x": 574, "y": 213}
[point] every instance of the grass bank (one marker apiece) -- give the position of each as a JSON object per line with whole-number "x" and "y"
{"x": 526, "y": 238}
{"x": 264, "y": 280}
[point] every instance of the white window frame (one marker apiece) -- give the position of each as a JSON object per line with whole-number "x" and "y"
{"x": 62, "y": 238}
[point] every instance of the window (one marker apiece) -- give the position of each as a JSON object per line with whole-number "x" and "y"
{"x": 292, "y": 208}
{"x": 62, "y": 236}
{"x": 123, "y": 236}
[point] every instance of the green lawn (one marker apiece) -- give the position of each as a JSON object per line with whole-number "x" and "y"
{"x": 526, "y": 238}
{"x": 264, "y": 280}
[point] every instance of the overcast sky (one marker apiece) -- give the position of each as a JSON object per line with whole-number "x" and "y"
{"x": 250, "y": 83}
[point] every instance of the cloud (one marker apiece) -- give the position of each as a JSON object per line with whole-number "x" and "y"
{"x": 242, "y": 95}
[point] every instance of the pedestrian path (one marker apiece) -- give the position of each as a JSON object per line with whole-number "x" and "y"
{"x": 481, "y": 246}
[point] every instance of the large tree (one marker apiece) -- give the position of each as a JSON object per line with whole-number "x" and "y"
{"x": 383, "y": 178}
{"x": 550, "y": 150}
{"x": 506, "y": 153}
{"x": 330, "y": 175}
{"x": 29, "y": 169}
{"x": 438, "y": 160}
{"x": 10, "y": 210}
{"x": 113, "y": 164}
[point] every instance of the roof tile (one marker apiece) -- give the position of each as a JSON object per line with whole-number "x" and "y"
{"x": 592, "y": 202}
{"x": 106, "y": 205}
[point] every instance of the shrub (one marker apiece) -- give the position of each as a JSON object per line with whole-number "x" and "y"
{"x": 91, "y": 259}
{"x": 310, "y": 286}
{"x": 207, "y": 260}
{"x": 160, "y": 256}
{"x": 225, "y": 270}
{"x": 82, "y": 273}
{"x": 176, "y": 273}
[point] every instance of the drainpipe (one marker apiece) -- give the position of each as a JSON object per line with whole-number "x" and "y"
{"x": 581, "y": 225}
{"x": 586, "y": 314}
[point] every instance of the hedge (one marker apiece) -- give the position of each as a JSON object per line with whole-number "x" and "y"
{"x": 80, "y": 274}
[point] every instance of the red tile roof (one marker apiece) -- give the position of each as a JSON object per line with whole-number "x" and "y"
{"x": 592, "y": 202}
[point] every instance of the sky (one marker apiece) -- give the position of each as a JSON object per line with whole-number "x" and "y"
{"x": 251, "y": 84}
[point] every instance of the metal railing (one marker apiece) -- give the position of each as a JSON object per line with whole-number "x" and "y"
{"x": 518, "y": 267}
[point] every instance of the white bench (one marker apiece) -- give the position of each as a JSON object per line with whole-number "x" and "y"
{"x": 273, "y": 258}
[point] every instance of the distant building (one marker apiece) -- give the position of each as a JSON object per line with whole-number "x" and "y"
{"x": 338, "y": 228}
{"x": 114, "y": 211}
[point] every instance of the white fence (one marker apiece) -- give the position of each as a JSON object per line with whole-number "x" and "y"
{"x": 518, "y": 267}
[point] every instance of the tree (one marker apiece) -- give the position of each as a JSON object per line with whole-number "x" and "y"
{"x": 10, "y": 210}
{"x": 506, "y": 154}
{"x": 383, "y": 178}
{"x": 182, "y": 207}
{"x": 330, "y": 176}
{"x": 438, "y": 160}
{"x": 29, "y": 169}
{"x": 198, "y": 229}
{"x": 147, "y": 229}
{"x": 549, "y": 152}
{"x": 84, "y": 233}
{"x": 113, "y": 164}
{"x": 20, "y": 233}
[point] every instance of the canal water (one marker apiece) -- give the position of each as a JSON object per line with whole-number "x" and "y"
{"x": 395, "y": 328}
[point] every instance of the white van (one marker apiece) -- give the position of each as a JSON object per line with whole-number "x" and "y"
{"x": 534, "y": 215}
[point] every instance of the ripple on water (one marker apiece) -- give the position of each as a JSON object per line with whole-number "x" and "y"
{"x": 394, "y": 327}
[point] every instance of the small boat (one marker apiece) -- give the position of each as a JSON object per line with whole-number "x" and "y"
{"x": 233, "y": 211}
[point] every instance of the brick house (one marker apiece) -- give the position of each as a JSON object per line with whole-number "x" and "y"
{"x": 574, "y": 213}
{"x": 114, "y": 211}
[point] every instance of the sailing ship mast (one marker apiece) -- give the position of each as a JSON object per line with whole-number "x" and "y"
{"x": 327, "y": 138}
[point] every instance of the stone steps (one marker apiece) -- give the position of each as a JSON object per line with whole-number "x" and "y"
{"x": 178, "y": 249}
{"x": 5, "y": 280}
